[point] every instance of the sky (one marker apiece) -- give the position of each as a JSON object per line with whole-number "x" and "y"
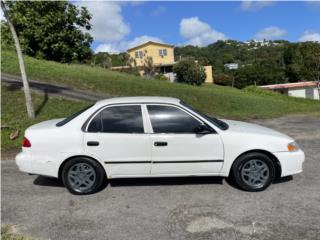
{"x": 117, "y": 26}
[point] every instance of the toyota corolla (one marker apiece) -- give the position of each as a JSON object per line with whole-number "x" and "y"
{"x": 135, "y": 137}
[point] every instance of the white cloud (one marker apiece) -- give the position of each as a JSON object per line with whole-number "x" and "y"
{"x": 313, "y": 3}
{"x": 310, "y": 36}
{"x": 249, "y": 5}
{"x": 106, "y": 47}
{"x": 121, "y": 46}
{"x": 1, "y": 15}
{"x": 107, "y": 22}
{"x": 138, "y": 41}
{"x": 270, "y": 33}
{"x": 199, "y": 33}
{"x": 158, "y": 11}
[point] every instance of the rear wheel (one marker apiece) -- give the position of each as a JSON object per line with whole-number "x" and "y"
{"x": 82, "y": 176}
{"x": 253, "y": 172}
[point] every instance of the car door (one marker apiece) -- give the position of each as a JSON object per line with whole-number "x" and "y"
{"x": 176, "y": 148}
{"x": 115, "y": 135}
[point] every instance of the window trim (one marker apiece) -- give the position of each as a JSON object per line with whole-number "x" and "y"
{"x": 89, "y": 120}
{"x": 180, "y": 108}
{"x": 162, "y": 51}
{"x": 148, "y": 126}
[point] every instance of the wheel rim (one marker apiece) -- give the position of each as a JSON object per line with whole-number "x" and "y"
{"x": 81, "y": 176}
{"x": 255, "y": 173}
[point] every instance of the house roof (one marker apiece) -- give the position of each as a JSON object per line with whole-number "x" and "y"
{"x": 148, "y": 43}
{"x": 291, "y": 85}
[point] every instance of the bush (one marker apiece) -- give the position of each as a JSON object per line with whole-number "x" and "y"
{"x": 260, "y": 91}
{"x": 223, "y": 79}
{"x": 189, "y": 72}
{"x": 161, "y": 77}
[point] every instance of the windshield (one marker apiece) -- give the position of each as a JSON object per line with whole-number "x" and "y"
{"x": 74, "y": 115}
{"x": 217, "y": 122}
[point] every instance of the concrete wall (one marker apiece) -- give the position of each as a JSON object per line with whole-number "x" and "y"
{"x": 208, "y": 70}
{"x": 307, "y": 92}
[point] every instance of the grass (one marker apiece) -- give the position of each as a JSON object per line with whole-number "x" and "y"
{"x": 212, "y": 99}
{"x": 7, "y": 233}
{"x": 14, "y": 113}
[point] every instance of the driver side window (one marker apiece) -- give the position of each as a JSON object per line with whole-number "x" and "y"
{"x": 168, "y": 119}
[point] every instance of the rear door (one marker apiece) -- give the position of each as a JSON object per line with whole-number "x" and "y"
{"x": 116, "y": 136}
{"x": 176, "y": 148}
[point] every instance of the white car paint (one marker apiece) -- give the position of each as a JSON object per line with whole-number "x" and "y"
{"x": 208, "y": 155}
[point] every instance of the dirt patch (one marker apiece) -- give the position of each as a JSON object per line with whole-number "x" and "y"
{"x": 9, "y": 154}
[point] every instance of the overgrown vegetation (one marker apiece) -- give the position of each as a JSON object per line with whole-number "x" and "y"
{"x": 269, "y": 62}
{"x": 7, "y": 233}
{"x": 189, "y": 72}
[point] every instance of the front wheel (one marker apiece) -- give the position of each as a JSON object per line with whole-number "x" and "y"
{"x": 253, "y": 172}
{"x": 82, "y": 176}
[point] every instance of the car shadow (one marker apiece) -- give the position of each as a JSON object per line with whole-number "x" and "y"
{"x": 127, "y": 182}
{"x": 165, "y": 181}
{"x": 283, "y": 179}
{"x": 48, "y": 182}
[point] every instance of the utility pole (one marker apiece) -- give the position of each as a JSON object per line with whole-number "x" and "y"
{"x": 25, "y": 82}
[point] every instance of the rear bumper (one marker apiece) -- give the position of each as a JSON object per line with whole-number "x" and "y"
{"x": 291, "y": 162}
{"x": 23, "y": 161}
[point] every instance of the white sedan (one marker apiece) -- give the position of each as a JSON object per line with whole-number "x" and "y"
{"x": 154, "y": 137}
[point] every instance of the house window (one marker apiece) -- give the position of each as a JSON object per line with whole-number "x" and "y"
{"x": 139, "y": 54}
{"x": 162, "y": 52}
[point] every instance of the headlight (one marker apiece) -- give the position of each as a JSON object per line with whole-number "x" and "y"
{"x": 293, "y": 147}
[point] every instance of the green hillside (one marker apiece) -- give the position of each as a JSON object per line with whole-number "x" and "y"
{"x": 14, "y": 114}
{"x": 214, "y": 100}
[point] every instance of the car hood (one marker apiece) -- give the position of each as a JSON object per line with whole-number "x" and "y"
{"x": 250, "y": 128}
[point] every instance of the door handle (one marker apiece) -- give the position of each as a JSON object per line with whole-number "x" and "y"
{"x": 160, "y": 144}
{"x": 93, "y": 143}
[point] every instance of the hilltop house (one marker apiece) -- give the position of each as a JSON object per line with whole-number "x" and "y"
{"x": 162, "y": 57}
{"x": 298, "y": 89}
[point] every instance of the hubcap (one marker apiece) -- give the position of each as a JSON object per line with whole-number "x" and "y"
{"x": 255, "y": 173}
{"x": 81, "y": 176}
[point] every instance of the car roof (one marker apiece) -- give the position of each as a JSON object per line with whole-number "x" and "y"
{"x": 146, "y": 99}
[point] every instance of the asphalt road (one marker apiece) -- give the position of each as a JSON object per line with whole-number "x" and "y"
{"x": 52, "y": 89}
{"x": 174, "y": 208}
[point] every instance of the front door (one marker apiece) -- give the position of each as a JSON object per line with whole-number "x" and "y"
{"x": 116, "y": 136}
{"x": 177, "y": 149}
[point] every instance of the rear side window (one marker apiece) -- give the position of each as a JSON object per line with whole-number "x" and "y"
{"x": 68, "y": 119}
{"x": 167, "y": 119}
{"x": 118, "y": 119}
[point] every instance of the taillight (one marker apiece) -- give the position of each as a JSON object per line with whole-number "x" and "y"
{"x": 26, "y": 142}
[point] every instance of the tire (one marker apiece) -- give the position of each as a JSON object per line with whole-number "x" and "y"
{"x": 253, "y": 172}
{"x": 83, "y": 176}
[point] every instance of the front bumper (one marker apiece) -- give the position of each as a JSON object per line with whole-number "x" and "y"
{"x": 291, "y": 162}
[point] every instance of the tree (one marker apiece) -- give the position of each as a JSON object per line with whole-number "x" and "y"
{"x": 148, "y": 67}
{"x": 303, "y": 61}
{"x": 190, "y": 72}
{"x": 51, "y": 29}
{"x": 223, "y": 79}
{"x": 102, "y": 59}
{"x": 25, "y": 82}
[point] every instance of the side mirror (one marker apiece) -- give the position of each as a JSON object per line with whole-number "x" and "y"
{"x": 203, "y": 129}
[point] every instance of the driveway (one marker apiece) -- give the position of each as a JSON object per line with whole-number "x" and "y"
{"x": 173, "y": 208}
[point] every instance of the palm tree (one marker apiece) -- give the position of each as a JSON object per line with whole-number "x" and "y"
{"x": 25, "y": 82}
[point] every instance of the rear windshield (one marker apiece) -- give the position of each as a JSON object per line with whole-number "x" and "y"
{"x": 74, "y": 115}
